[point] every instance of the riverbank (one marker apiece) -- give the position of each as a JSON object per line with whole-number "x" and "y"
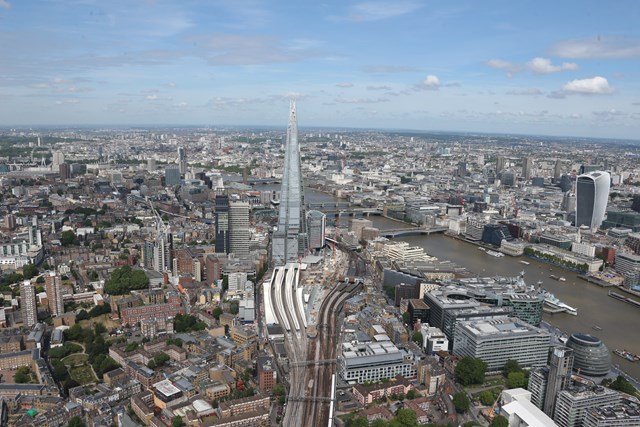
{"x": 598, "y": 282}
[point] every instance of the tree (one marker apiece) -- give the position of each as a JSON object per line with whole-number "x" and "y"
{"x": 216, "y": 313}
{"x": 152, "y": 364}
{"x": 470, "y": 370}
{"x": 499, "y": 421}
{"x": 417, "y": 338}
{"x": 407, "y": 417}
{"x": 378, "y": 423}
{"x": 412, "y": 394}
{"x": 486, "y": 398}
{"x": 29, "y": 271}
{"x": 623, "y": 385}
{"x": 125, "y": 279}
{"x": 461, "y": 402}
{"x": 75, "y": 422}
{"x": 188, "y": 323}
{"x": 516, "y": 380}
{"x": 406, "y": 317}
{"x": 22, "y": 375}
{"x": 357, "y": 422}
{"x": 177, "y": 421}
{"x": 511, "y": 366}
{"x": 68, "y": 238}
{"x": 278, "y": 390}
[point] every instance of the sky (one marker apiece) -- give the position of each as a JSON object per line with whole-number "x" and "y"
{"x": 567, "y": 68}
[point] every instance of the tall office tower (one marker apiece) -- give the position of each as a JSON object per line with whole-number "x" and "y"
{"x": 162, "y": 259}
{"x": 182, "y": 160}
{"x": 500, "y": 163}
{"x": 462, "y": 169}
{"x": 557, "y": 171}
{"x": 151, "y": 165}
{"x": 527, "y": 168}
{"x": 57, "y": 160}
{"x": 560, "y": 366}
{"x": 65, "y": 171}
{"x": 222, "y": 224}
{"x": 290, "y": 240}
{"x": 99, "y": 153}
{"x": 53, "y": 286}
{"x": 171, "y": 175}
{"x": 316, "y": 222}
{"x": 592, "y": 194}
{"x": 239, "y": 227}
{"x": 28, "y": 303}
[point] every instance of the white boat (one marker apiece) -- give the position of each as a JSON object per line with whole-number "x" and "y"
{"x": 562, "y": 279}
{"x": 481, "y": 248}
{"x": 495, "y": 254}
{"x": 552, "y": 301}
{"x": 525, "y": 262}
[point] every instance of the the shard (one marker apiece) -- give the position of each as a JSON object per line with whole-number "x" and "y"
{"x": 290, "y": 240}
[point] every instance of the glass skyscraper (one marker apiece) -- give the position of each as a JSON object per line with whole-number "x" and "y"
{"x": 290, "y": 239}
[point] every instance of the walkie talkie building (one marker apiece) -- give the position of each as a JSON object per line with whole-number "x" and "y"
{"x": 290, "y": 239}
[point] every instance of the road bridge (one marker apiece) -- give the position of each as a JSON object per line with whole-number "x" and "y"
{"x": 415, "y": 231}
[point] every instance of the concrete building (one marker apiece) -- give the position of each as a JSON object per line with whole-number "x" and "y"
{"x": 499, "y": 340}
{"x": 360, "y": 362}
{"x": 171, "y": 175}
{"x": 572, "y": 404}
{"x": 316, "y": 223}
{"x": 239, "y": 234}
{"x": 28, "y": 303}
{"x": 521, "y": 412}
{"x": 560, "y": 366}
{"x": 624, "y": 414}
{"x": 53, "y": 287}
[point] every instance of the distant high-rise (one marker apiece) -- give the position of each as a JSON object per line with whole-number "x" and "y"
{"x": 222, "y": 224}
{"x": 151, "y": 165}
{"x": 28, "y": 303}
{"x": 290, "y": 240}
{"x": 500, "y": 163}
{"x": 239, "y": 227}
{"x": 182, "y": 160}
{"x": 65, "y": 171}
{"x": 527, "y": 168}
{"x": 316, "y": 222}
{"x": 592, "y": 194}
{"x": 53, "y": 287}
{"x": 171, "y": 175}
{"x": 557, "y": 171}
{"x": 560, "y": 365}
{"x": 57, "y": 160}
{"x": 162, "y": 252}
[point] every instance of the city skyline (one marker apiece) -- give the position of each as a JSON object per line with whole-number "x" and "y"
{"x": 508, "y": 68}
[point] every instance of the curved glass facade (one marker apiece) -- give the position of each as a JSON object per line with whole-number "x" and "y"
{"x": 590, "y": 355}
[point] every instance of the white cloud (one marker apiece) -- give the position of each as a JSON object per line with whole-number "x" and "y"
{"x": 501, "y": 64}
{"x": 544, "y": 66}
{"x": 345, "y": 84}
{"x": 431, "y": 82}
{"x": 530, "y": 92}
{"x": 4, "y": 4}
{"x": 592, "y": 86}
{"x": 374, "y": 87}
{"x": 383, "y": 69}
{"x": 361, "y": 100}
{"x": 377, "y": 11}
{"x": 598, "y": 48}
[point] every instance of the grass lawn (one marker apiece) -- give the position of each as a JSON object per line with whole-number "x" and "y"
{"x": 83, "y": 374}
{"x": 105, "y": 319}
{"x": 75, "y": 359}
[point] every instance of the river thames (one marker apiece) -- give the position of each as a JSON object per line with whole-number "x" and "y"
{"x": 620, "y": 322}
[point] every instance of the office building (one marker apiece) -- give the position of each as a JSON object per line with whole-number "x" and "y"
{"x": 527, "y": 168}
{"x": 439, "y": 303}
{"x": 557, "y": 171}
{"x": 494, "y": 234}
{"x": 500, "y": 164}
{"x": 53, "y": 287}
{"x": 499, "y": 340}
{"x": 560, "y": 365}
{"x": 592, "y": 194}
{"x": 360, "y": 362}
{"x": 572, "y": 404}
{"x": 518, "y": 408}
{"x": 28, "y": 303}
{"x": 65, "y": 171}
{"x": 316, "y": 223}
{"x": 623, "y": 414}
{"x": 537, "y": 385}
{"x": 418, "y": 310}
{"x": 628, "y": 265}
{"x": 239, "y": 234}
{"x": 171, "y": 175}
{"x": 222, "y": 224}
{"x": 566, "y": 183}
{"x": 290, "y": 239}
{"x": 182, "y": 160}
{"x": 57, "y": 160}
{"x": 590, "y": 355}
{"x": 267, "y": 374}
